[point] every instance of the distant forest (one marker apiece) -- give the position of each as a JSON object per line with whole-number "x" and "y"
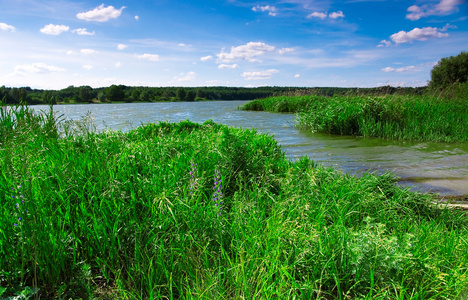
{"x": 122, "y": 93}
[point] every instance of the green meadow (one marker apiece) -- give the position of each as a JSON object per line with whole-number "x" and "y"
{"x": 399, "y": 117}
{"x": 205, "y": 211}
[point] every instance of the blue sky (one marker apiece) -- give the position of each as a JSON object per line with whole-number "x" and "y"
{"x": 52, "y": 44}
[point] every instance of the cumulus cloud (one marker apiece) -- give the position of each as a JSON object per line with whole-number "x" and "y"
{"x": 121, "y": 46}
{"x": 317, "y": 14}
{"x": 297, "y": 76}
{"x": 272, "y": 11}
{"x": 445, "y": 7}
{"x": 321, "y": 15}
{"x": 399, "y": 70}
{"x": 336, "y": 15}
{"x": 6, "y": 27}
{"x": 247, "y": 52}
{"x": 54, "y": 29}
{"x": 88, "y": 51}
{"x": 186, "y": 77}
{"x": 420, "y": 34}
{"x": 101, "y": 14}
{"x": 83, "y": 31}
{"x": 384, "y": 43}
{"x": 37, "y": 68}
{"x": 150, "y": 57}
{"x": 137, "y": 18}
{"x": 224, "y": 66}
{"x": 206, "y": 58}
{"x": 259, "y": 75}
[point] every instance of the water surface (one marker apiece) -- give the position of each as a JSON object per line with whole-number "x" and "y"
{"x": 425, "y": 166}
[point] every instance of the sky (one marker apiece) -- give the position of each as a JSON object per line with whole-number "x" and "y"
{"x": 52, "y": 44}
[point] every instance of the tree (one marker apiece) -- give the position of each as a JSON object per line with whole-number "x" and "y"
{"x": 181, "y": 94}
{"x": 85, "y": 94}
{"x": 450, "y": 71}
{"x": 190, "y": 96}
{"x": 115, "y": 93}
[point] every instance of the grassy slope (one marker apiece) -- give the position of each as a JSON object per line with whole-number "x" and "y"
{"x": 394, "y": 117}
{"x": 134, "y": 216}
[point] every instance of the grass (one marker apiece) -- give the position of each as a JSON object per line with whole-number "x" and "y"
{"x": 400, "y": 117}
{"x": 204, "y": 211}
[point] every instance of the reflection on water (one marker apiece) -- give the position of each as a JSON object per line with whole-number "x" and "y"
{"x": 436, "y": 167}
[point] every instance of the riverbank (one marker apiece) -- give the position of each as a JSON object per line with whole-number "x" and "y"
{"x": 398, "y": 117}
{"x": 186, "y": 210}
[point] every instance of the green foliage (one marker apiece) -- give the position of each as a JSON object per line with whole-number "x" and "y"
{"x": 116, "y": 215}
{"x": 422, "y": 118}
{"x": 449, "y": 71}
{"x": 115, "y": 93}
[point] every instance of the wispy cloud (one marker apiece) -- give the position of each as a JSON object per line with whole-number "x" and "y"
{"x": 83, "y": 31}
{"x": 445, "y": 7}
{"x": 150, "y": 57}
{"x": 37, "y": 68}
{"x": 399, "y": 70}
{"x": 88, "y": 67}
{"x": 322, "y": 15}
{"x": 259, "y": 75}
{"x": 272, "y": 11}
{"x": 225, "y": 66}
{"x": 247, "y": 52}
{"x": 6, "y": 27}
{"x": 121, "y": 46}
{"x": 101, "y": 14}
{"x": 88, "y": 51}
{"x": 54, "y": 29}
{"x": 206, "y": 58}
{"x": 190, "y": 76}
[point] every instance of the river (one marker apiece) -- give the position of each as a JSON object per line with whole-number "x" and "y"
{"x": 423, "y": 166}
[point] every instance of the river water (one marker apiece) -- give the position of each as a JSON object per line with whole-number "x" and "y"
{"x": 423, "y": 166}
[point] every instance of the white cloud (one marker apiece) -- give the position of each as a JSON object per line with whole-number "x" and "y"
{"x": 70, "y": 52}
{"x": 37, "y": 68}
{"x": 399, "y": 70}
{"x": 317, "y": 15}
{"x": 285, "y": 50}
{"x": 88, "y": 51}
{"x": 297, "y": 76}
{"x": 384, "y": 43}
{"x": 336, "y": 15}
{"x": 118, "y": 64}
{"x": 101, "y": 14}
{"x": 246, "y": 52}
{"x": 88, "y": 67}
{"x": 54, "y": 29}
{"x": 137, "y": 18}
{"x": 121, "y": 46}
{"x": 321, "y": 15}
{"x": 6, "y": 27}
{"x": 186, "y": 77}
{"x": 266, "y": 74}
{"x": 83, "y": 31}
{"x": 444, "y": 7}
{"x": 420, "y": 34}
{"x": 224, "y": 66}
{"x": 270, "y": 9}
{"x": 151, "y": 57}
{"x": 206, "y": 58}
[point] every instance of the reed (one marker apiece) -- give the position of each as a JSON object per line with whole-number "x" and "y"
{"x": 137, "y": 216}
{"x": 401, "y": 117}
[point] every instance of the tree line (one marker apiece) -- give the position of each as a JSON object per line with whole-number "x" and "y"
{"x": 123, "y": 93}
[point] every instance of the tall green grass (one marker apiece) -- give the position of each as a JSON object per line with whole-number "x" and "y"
{"x": 135, "y": 216}
{"x": 393, "y": 117}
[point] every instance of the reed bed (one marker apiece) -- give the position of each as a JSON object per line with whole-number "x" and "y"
{"x": 204, "y": 211}
{"x": 399, "y": 117}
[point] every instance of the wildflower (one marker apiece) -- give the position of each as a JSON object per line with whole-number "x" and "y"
{"x": 217, "y": 195}
{"x": 193, "y": 180}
